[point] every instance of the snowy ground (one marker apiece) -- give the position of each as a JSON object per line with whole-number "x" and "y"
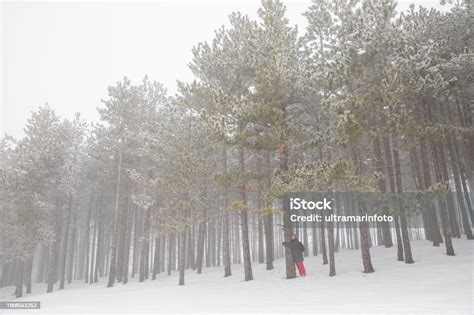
{"x": 435, "y": 284}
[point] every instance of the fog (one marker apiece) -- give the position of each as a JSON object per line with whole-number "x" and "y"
{"x": 67, "y": 53}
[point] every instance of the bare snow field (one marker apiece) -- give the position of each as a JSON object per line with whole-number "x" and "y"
{"x": 435, "y": 284}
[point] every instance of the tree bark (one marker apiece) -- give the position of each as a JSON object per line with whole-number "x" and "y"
{"x": 29, "y": 272}
{"x": 457, "y": 183}
{"x": 113, "y": 257}
{"x": 261, "y": 253}
{"x": 364, "y": 245}
{"x": 65, "y": 245}
{"x": 244, "y": 219}
{"x": 86, "y": 237}
{"x": 386, "y": 235}
{"x": 19, "y": 279}
{"x": 332, "y": 262}
{"x": 70, "y": 267}
{"x": 54, "y": 249}
{"x": 200, "y": 246}
{"x": 182, "y": 257}
{"x": 156, "y": 260}
{"x": 268, "y": 221}
{"x": 128, "y": 239}
{"x": 403, "y": 221}
{"x": 363, "y": 227}
{"x": 100, "y": 240}
{"x": 434, "y": 233}
{"x": 225, "y": 221}
{"x": 323, "y": 243}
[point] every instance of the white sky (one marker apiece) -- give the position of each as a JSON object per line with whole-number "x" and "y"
{"x": 66, "y": 54}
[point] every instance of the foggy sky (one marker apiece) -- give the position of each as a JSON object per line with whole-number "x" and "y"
{"x": 66, "y": 54}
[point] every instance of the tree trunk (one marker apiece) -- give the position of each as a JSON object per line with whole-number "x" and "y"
{"x": 182, "y": 257}
{"x": 364, "y": 229}
{"x": 387, "y": 236}
{"x": 261, "y": 253}
{"x": 145, "y": 247}
{"x": 244, "y": 219}
{"x": 19, "y": 279}
{"x": 91, "y": 274}
{"x": 65, "y": 243}
{"x": 219, "y": 242}
{"x": 457, "y": 183}
{"x": 225, "y": 221}
{"x": 268, "y": 221}
{"x": 86, "y": 236}
{"x": 70, "y": 268}
{"x": 200, "y": 246}
{"x": 135, "y": 242}
{"x": 170, "y": 252}
{"x": 364, "y": 245}
{"x": 156, "y": 260}
{"x": 403, "y": 221}
{"x": 54, "y": 249}
{"x": 29, "y": 271}
{"x": 113, "y": 257}
{"x": 332, "y": 262}
{"x": 100, "y": 241}
{"x": 287, "y": 227}
{"x": 323, "y": 243}
{"x": 393, "y": 189}
{"x": 442, "y": 206}
{"x": 128, "y": 238}
{"x": 434, "y": 233}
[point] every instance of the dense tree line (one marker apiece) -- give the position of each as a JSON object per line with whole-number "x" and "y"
{"x": 364, "y": 99}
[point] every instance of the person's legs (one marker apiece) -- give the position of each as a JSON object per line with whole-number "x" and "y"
{"x": 301, "y": 269}
{"x": 298, "y": 265}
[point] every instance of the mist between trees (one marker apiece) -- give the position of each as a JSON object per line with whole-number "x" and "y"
{"x": 362, "y": 100}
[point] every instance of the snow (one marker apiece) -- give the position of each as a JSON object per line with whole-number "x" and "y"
{"x": 435, "y": 284}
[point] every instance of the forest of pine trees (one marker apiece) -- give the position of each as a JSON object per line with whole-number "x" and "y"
{"x": 363, "y": 99}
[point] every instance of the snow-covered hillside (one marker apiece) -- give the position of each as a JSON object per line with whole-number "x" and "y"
{"x": 435, "y": 284}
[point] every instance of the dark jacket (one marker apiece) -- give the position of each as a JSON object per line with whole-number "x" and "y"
{"x": 297, "y": 249}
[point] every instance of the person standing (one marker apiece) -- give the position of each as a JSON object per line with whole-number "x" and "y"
{"x": 297, "y": 250}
